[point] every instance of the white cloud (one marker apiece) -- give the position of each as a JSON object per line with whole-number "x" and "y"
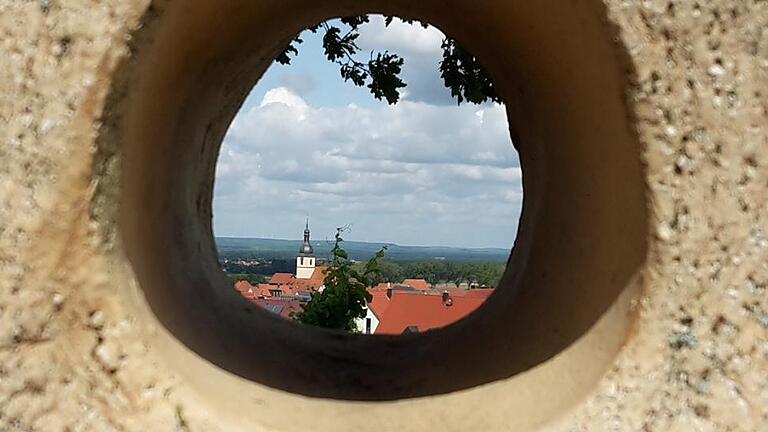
{"x": 283, "y": 96}
{"x": 400, "y": 37}
{"x": 392, "y": 171}
{"x": 420, "y": 47}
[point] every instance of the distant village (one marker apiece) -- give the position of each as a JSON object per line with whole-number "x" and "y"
{"x": 397, "y": 307}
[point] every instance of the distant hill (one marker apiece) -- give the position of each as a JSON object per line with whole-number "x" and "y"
{"x": 230, "y": 247}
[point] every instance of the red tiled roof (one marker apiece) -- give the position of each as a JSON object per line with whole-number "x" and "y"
{"x": 483, "y": 293}
{"x": 320, "y": 272}
{"x": 303, "y": 285}
{"x": 281, "y": 278}
{"x": 384, "y": 286}
{"x": 286, "y": 283}
{"x": 243, "y": 286}
{"x": 474, "y": 292}
{"x": 280, "y": 307}
{"x": 318, "y": 277}
{"x": 314, "y": 282}
{"x": 423, "y": 311}
{"x": 265, "y": 290}
{"x": 419, "y": 284}
{"x": 378, "y": 305}
{"x": 456, "y": 292}
{"x": 380, "y": 302}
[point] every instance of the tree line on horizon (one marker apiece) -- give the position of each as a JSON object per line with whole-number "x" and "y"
{"x": 485, "y": 274}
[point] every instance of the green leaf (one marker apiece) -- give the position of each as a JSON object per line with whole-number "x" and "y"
{"x": 285, "y": 56}
{"x": 463, "y": 74}
{"x": 334, "y": 50}
{"x": 354, "y": 74}
{"x": 385, "y": 72}
{"x": 355, "y": 21}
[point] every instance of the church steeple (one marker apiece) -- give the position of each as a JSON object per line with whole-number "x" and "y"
{"x": 305, "y": 262}
{"x": 306, "y": 248}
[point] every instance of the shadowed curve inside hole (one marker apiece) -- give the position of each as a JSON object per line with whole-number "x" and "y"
{"x": 578, "y": 251}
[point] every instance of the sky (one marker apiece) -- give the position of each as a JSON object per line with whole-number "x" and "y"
{"x": 425, "y": 171}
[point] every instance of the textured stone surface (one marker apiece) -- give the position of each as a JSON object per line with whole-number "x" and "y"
{"x": 700, "y": 356}
{"x": 73, "y": 350}
{"x": 68, "y": 360}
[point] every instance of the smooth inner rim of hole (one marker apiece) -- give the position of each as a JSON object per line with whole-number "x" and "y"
{"x": 590, "y": 163}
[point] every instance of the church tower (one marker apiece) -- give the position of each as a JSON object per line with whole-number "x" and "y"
{"x": 305, "y": 262}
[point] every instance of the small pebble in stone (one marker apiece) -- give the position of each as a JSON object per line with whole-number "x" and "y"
{"x": 716, "y": 70}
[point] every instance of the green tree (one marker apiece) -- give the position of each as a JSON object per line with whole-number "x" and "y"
{"x": 253, "y": 279}
{"x": 461, "y": 71}
{"x": 345, "y": 294}
{"x": 489, "y": 274}
{"x": 427, "y": 270}
{"x": 434, "y": 272}
{"x": 389, "y": 271}
{"x": 454, "y": 272}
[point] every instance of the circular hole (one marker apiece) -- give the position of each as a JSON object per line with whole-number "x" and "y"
{"x": 557, "y": 319}
{"x": 419, "y": 167}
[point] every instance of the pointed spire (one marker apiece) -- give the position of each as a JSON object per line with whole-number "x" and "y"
{"x": 306, "y": 248}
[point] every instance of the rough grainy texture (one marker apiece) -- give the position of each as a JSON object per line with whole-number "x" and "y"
{"x": 68, "y": 357}
{"x": 700, "y": 358}
{"x": 74, "y": 356}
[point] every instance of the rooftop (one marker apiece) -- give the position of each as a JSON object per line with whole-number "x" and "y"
{"x": 421, "y": 311}
{"x": 282, "y": 307}
{"x": 419, "y": 284}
